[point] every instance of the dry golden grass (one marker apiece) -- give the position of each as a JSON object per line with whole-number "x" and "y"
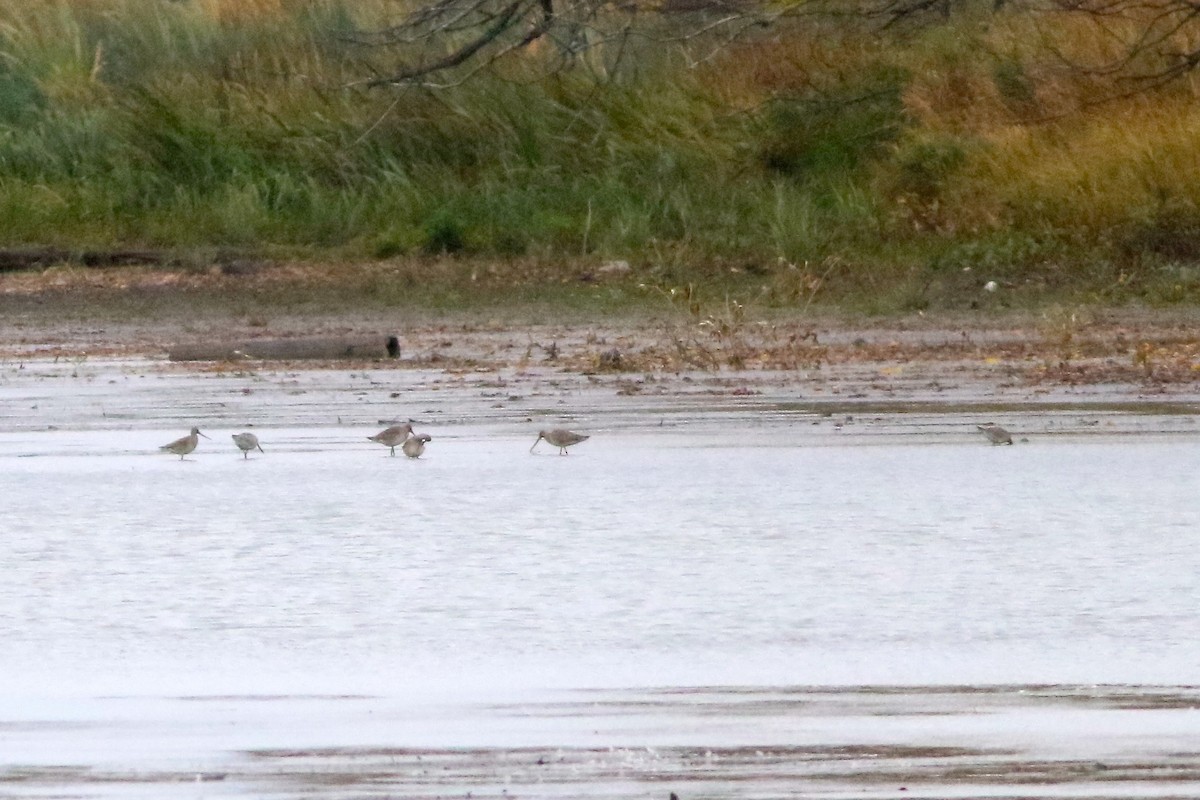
{"x": 1057, "y": 141}
{"x": 234, "y": 11}
{"x": 1087, "y": 173}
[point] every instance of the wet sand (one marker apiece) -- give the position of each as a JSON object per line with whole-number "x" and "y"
{"x": 1127, "y": 359}
{"x": 129, "y": 311}
{"x": 875, "y": 742}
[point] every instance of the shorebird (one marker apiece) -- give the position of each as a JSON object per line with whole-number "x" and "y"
{"x": 181, "y": 447}
{"x": 560, "y": 438}
{"x": 390, "y": 437}
{"x": 247, "y": 442}
{"x": 415, "y": 445}
{"x": 995, "y": 434}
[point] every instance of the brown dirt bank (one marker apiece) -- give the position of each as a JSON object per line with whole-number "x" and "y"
{"x": 132, "y": 311}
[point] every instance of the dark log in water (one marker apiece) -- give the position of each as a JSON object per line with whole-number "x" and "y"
{"x": 29, "y": 258}
{"x": 322, "y": 348}
{"x": 15, "y": 260}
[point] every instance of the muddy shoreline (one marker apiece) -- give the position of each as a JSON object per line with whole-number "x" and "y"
{"x": 143, "y": 311}
{"x": 876, "y": 742}
{"x": 1128, "y": 355}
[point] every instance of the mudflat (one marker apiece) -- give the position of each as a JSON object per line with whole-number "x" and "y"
{"x": 991, "y": 352}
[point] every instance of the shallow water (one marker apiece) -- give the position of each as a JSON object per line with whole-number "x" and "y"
{"x": 238, "y": 615}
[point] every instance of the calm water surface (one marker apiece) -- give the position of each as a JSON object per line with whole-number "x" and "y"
{"x": 638, "y": 552}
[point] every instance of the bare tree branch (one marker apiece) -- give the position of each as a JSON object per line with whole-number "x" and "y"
{"x": 1156, "y": 25}
{"x": 484, "y": 31}
{"x": 507, "y": 19}
{"x": 443, "y": 43}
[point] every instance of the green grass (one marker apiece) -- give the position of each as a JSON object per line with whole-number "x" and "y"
{"x": 904, "y": 171}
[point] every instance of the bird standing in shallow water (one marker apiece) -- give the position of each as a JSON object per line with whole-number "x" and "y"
{"x": 560, "y": 438}
{"x": 247, "y": 442}
{"x": 415, "y": 445}
{"x": 393, "y": 436}
{"x": 181, "y": 447}
{"x": 995, "y": 434}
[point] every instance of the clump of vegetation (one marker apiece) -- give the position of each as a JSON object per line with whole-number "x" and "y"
{"x": 1061, "y": 329}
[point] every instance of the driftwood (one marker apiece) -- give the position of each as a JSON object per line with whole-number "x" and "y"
{"x": 323, "y": 348}
{"x": 18, "y": 259}
{"x": 21, "y": 259}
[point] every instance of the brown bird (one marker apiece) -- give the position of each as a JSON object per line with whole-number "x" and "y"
{"x": 181, "y": 447}
{"x": 560, "y": 438}
{"x": 247, "y": 442}
{"x": 393, "y": 436}
{"x": 415, "y": 445}
{"x": 995, "y": 434}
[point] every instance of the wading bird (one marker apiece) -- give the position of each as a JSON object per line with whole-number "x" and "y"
{"x": 560, "y": 438}
{"x": 181, "y": 447}
{"x": 995, "y": 434}
{"x": 415, "y": 445}
{"x": 247, "y": 442}
{"x": 393, "y": 436}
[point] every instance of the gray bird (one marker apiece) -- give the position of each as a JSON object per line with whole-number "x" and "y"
{"x": 415, "y": 445}
{"x": 393, "y": 436}
{"x": 247, "y": 442}
{"x": 560, "y": 438}
{"x": 181, "y": 447}
{"x": 995, "y": 434}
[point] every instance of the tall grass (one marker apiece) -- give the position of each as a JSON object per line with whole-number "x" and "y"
{"x": 204, "y": 123}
